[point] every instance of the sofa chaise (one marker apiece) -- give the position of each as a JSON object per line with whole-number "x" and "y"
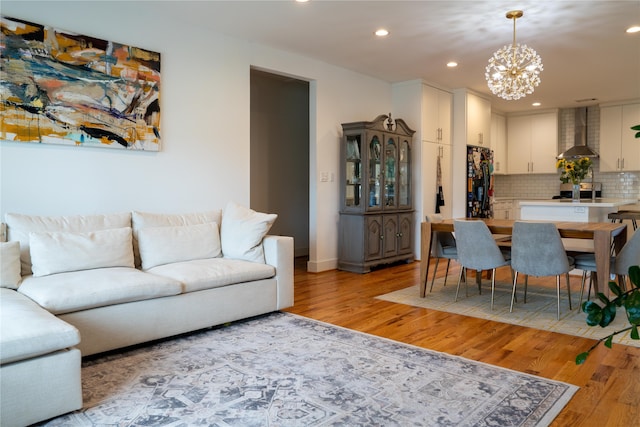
{"x": 94, "y": 283}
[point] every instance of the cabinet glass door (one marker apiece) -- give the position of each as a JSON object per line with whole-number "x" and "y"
{"x": 390, "y": 151}
{"x": 404, "y": 185}
{"x": 353, "y": 182}
{"x": 375, "y": 159}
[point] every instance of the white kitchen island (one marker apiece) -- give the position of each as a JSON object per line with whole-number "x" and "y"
{"x": 586, "y": 210}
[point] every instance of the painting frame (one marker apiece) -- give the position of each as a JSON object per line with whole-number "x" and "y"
{"x": 63, "y": 88}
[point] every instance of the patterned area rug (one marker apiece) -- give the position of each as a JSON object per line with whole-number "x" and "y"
{"x": 285, "y": 370}
{"x": 540, "y": 311}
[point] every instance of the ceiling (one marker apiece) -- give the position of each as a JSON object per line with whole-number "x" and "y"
{"x": 588, "y": 58}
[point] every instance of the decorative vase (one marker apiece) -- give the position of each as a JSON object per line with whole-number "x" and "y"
{"x": 575, "y": 193}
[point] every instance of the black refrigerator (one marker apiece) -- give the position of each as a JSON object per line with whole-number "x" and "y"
{"x": 479, "y": 182}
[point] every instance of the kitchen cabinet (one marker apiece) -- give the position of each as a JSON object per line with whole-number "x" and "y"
{"x": 533, "y": 143}
{"x": 436, "y": 115}
{"x": 376, "y": 209}
{"x": 476, "y": 112}
{"x": 503, "y": 209}
{"x": 619, "y": 149}
{"x": 436, "y": 138}
{"x": 499, "y": 143}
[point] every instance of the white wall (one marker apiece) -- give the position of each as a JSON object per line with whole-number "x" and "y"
{"x": 204, "y": 160}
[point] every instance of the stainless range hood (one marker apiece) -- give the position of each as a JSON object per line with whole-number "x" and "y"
{"x": 580, "y": 148}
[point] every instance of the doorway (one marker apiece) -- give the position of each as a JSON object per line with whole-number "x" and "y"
{"x": 279, "y": 154}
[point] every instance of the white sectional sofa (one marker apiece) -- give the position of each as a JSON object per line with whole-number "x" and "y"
{"x": 95, "y": 283}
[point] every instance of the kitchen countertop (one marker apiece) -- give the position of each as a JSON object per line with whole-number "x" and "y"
{"x": 597, "y": 203}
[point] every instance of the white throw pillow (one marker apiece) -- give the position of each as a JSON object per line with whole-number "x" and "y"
{"x": 242, "y": 231}
{"x": 165, "y": 245}
{"x": 10, "y": 260}
{"x": 58, "y": 252}
{"x": 142, "y": 220}
{"x": 19, "y": 226}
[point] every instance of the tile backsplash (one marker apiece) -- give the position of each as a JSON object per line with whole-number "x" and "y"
{"x": 542, "y": 186}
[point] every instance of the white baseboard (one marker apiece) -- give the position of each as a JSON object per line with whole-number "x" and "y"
{"x": 319, "y": 266}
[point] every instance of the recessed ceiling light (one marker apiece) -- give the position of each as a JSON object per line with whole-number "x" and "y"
{"x": 634, "y": 29}
{"x": 452, "y": 64}
{"x": 301, "y": 1}
{"x": 381, "y": 32}
{"x": 536, "y": 104}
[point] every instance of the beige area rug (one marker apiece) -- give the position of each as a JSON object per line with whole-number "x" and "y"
{"x": 288, "y": 371}
{"x": 539, "y": 312}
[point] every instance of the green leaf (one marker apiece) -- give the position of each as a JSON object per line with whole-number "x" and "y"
{"x": 594, "y": 319}
{"x": 602, "y": 297}
{"x": 634, "y": 275}
{"x": 608, "y": 341}
{"x": 615, "y": 288}
{"x": 594, "y": 313}
{"x": 636, "y": 127}
{"x": 634, "y": 333}
{"x": 632, "y": 306}
{"x": 590, "y": 307}
{"x": 581, "y": 358}
{"x": 608, "y": 315}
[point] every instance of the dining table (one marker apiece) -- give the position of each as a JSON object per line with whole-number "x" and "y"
{"x": 607, "y": 237}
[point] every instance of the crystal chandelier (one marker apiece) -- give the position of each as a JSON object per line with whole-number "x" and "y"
{"x": 513, "y": 71}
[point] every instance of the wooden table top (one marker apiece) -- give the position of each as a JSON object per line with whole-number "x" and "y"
{"x": 567, "y": 229}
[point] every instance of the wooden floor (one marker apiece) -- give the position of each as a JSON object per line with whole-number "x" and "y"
{"x": 609, "y": 380}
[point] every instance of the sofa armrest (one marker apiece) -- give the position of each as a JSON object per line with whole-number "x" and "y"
{"x": 278, "y": 252}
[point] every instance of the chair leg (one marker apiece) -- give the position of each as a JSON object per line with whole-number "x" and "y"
{"x": 493, "y": 285}
{"x": 462, "y": 269}
{"x": 584, "y": 279}
{"x": 466, "y": 282}
{"x": 513, "y": 292}
{"x": 446, "y": 273}
{"x": 569, "y": 291}
{"x": 622, "y": 282}
{"x": 558, "y": 294}
{"x": 435, "y": 270}
{"x": 526, "y": 283}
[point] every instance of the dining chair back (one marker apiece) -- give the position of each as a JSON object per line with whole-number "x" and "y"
{"x": 443, "y": 245}
{"x": 477, "y": 250}
{"x": 628, "y": 256}
{"x": 537, "y": 250}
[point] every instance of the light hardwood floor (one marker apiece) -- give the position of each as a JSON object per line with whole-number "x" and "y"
{"x": 609, "y": 380}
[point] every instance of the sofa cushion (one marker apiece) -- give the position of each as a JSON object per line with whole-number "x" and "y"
{"x": 213, "y": 272}
{"x": 27, "y": 330}
{"x": 164, "y": 245}
{"x": 61, "y": 251}
{"x": 142, "y": 220}
{"x": 81, "y": 290}
{"x": 19, "y": 227}
{"x": 10, "y": 265}
{"x": 242, "y": 231}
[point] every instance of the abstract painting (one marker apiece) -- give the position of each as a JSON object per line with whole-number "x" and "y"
{"x": 58, "y": 87}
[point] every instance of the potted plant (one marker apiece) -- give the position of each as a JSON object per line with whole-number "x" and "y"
{"x": 604, "y": 314}
{"x": 574, "y": 171}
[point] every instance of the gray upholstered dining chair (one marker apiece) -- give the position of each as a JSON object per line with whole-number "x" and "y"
{"x": 443, "y": 245}
{"x": 629, "y": 255}
{"x": 477, "y": 250}
{"x": 537, "y": 250}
